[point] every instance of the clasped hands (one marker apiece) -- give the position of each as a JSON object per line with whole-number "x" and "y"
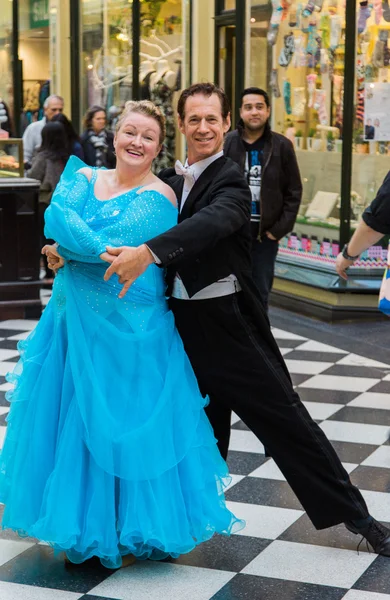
{"x": 127, "y": 262}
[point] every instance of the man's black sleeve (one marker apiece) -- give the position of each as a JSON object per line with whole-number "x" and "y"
{"x": 377, "y": 215}
{"x": 228, "y": 210}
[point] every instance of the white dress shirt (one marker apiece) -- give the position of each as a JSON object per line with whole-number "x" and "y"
{"x": 196, "y": 170}
{"x": 222, "y": 287}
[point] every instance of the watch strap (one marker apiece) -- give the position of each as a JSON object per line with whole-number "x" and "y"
{"x": 346, "y": 255}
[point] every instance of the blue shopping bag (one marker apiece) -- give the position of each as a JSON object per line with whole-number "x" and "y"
{"x": 384, "y": 293}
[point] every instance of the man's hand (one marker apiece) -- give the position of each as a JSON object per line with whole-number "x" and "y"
{"x": 342, "y": 265}
{"x": 270, "y": 236}
{"x": 54, "y": 260}
{"x": 129, "y": 264}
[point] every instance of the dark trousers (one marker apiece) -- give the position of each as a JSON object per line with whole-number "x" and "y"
{"x": 263, "y": 265}
{"x": 240, "y": 372}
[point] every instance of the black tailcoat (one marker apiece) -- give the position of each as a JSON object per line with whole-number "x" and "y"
{"x": 213, "y": 238}
{"x": 231, "y": 348}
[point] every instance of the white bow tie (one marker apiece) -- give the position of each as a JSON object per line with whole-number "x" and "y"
{"x": 186, "y": 172}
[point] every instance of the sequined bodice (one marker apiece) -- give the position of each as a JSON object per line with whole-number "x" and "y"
{"x": 129, "y": 219}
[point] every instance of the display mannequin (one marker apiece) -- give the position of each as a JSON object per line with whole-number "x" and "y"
{"x": 4, "y": 120}
{"x": 145, "y": 68}
{"x": 163, "y": 71}
{"x": 145, "y": 73}
{"x": 162, "y": 87}
{"x": 158, "y": 82}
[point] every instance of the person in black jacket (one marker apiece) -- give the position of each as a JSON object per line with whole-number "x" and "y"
{"x": 374, "y": 225}
{"x": 97, "y": 141}
{"x": 223, "y": 324}
{"x": 267, "y": 159}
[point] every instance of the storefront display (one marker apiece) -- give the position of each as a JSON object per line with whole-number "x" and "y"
{"x": 306, "y": 83}
{"x": 376, "y": 118}
{"x": 34, "y": 52}
{"x": 11, "y": 158}
{"x": 316, "y": 66}
{"x": 5, "y": 119}
{"x": 306, "y": 80}
{"x": 107, "y": 49}
{"x": 107, "y": 68}
{"x": 297, "y": 51}
{"x": 6, "y": 83}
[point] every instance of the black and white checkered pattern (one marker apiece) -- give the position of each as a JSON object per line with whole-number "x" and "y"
{"x": 279, "y": 555}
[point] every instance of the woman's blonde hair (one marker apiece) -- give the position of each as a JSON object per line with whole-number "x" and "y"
{"x": 147, "y": 108}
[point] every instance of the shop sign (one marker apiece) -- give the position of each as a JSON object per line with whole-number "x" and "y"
{"x": 39, "y": 13}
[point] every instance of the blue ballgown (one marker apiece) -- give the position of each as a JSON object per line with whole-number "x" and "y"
{"x": 108, "y": 450}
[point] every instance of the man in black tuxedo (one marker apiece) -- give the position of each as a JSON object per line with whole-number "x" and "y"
{"x": 223, "y": 324}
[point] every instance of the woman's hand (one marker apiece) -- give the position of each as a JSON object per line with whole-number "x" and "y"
{"x": 107, "y": 257}
{"x": 54, "y": 260}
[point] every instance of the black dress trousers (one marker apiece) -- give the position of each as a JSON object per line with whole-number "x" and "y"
{"x": 240, "y": 372}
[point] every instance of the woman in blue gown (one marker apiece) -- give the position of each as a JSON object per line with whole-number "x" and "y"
{"x": 108, "y": 450}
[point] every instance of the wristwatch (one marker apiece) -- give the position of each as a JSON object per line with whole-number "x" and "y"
{"x": 345, "y": 254}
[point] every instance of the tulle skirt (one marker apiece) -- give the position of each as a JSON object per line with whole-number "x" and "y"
{"x": 108, "y": 450}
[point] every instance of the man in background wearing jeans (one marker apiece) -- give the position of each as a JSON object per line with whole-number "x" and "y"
{"x": 267, "y": 159}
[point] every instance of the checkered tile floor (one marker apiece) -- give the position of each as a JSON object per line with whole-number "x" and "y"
{"x": 279, "y": 555}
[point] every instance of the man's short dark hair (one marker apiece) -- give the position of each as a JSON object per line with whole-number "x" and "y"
{"x": 258, "y": 92}
{"x": 207, "y": 89}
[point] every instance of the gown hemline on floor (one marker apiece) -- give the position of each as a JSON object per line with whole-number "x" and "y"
{"x": 108, "y": 450}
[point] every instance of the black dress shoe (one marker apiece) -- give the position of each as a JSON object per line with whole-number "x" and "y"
{"x": 375, "y": 533}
